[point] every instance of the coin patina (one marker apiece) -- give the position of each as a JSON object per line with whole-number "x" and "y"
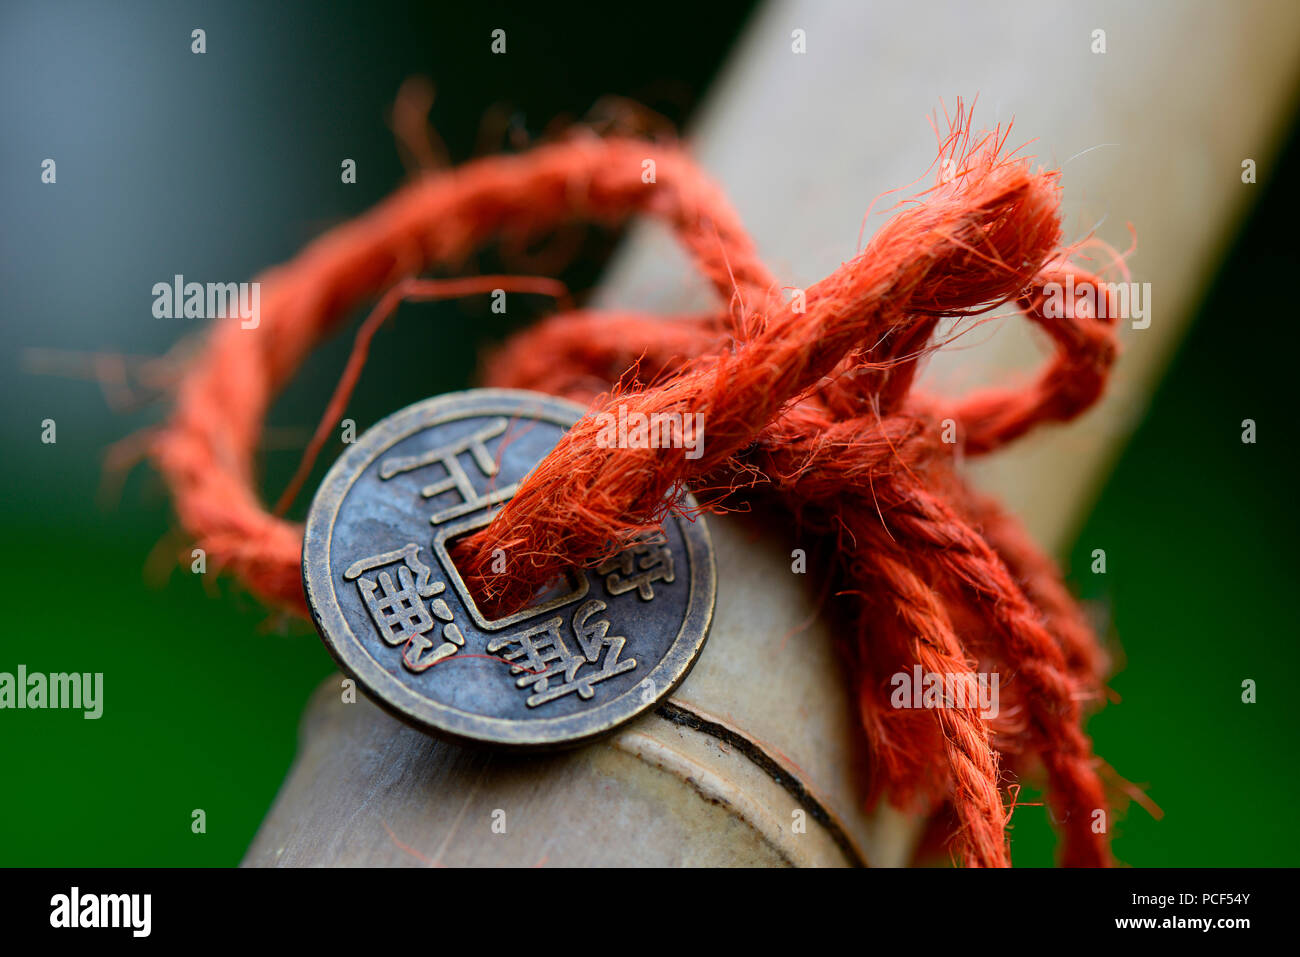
{"x": 604, "y": 645}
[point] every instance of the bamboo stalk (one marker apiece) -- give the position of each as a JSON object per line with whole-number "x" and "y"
{"x": 1152, "y": 131}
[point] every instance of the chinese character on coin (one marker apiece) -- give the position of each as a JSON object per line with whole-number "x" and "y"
{"x": 605, "y": 645}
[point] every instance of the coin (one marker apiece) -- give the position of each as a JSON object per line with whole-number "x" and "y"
{"x": 606, "y": 644}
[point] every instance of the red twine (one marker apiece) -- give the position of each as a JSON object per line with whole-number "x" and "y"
{"x": 808, "y": 408}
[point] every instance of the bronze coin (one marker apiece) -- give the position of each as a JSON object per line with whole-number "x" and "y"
{"x": 605, "y": 645}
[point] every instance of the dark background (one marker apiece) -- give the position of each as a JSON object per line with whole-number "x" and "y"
{"x": 219, "y": 165}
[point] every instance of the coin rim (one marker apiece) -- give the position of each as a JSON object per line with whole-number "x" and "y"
{"x": 442, "y": 719}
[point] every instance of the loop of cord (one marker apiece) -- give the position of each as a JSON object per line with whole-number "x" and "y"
{"x": 809, "y": 410}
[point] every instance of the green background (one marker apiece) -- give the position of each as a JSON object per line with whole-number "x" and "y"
{"x": 217, "y": 166}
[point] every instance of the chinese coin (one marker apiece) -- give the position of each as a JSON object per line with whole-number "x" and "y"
{"x": 604, "y": 645}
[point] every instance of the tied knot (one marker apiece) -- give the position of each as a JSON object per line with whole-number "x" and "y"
{"x": 803, "y": 403}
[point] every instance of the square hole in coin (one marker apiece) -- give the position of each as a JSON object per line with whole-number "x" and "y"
{"x": 571, "y": 588}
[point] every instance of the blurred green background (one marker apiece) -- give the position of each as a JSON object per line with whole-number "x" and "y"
{"x": 219, "y": 165}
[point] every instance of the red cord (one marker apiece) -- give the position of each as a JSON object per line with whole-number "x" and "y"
{"x": 808, "y": 407}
